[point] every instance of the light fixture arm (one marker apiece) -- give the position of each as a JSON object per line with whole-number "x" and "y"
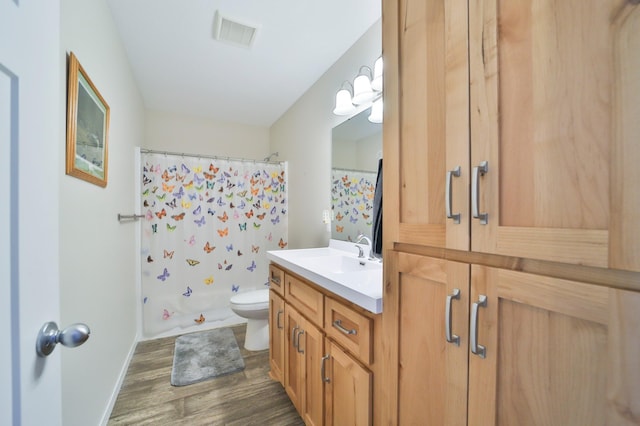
{"x": 349, "y": 88}
{"x": 366, "y": 69}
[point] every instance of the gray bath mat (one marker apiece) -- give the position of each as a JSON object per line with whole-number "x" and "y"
{"x": 205, "y": 355}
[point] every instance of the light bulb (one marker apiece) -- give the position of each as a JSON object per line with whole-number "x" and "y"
{"x": 376, "y": 112}
{"x": 362, "y": 91}
{"x": 343, "y": 103}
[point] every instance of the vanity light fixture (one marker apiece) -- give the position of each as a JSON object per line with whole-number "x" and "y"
{"x": 344, "y": 103}
{"x": 362, "y": 91}
{"x": 366, "y": 91}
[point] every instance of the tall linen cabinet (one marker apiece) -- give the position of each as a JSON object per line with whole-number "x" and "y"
{"x": 511, "y": 212}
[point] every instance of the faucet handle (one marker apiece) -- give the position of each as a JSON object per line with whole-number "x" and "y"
{"x": 360, "y": 252}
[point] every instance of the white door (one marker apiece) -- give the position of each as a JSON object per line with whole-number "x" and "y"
{"x": 31, "y": 111}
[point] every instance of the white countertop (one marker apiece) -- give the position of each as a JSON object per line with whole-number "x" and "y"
{"x": 338, "y": 269}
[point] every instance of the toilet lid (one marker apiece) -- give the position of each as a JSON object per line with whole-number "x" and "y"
{"x": 250, "y": 297}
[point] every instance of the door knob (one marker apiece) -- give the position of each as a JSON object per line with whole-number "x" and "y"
{"x": 50, "y": 335}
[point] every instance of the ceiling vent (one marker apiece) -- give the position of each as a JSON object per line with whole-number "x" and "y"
{"x": 233, "y": 32}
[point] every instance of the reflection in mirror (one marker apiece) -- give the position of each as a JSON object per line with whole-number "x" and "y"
{"x": 356, "y": 150}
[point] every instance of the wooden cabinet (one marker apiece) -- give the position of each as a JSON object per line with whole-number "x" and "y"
{"x": 348, "y": 392}
{"x": 303, "y": 381}
{"x": 511, "y": 172}
{"x": 545, "y": 109}
{"x": 324, "y": 363}
{"x": 519, "y": 121}
{"x": 553, "y": 351}
{"x": 349, "y": 354}
{"x": 426, "y": 375}
{"x": 304, "y": 312}
{"x": 277, "y": 336}
{"x": 426, "y": 131}
{"x": 508, "y": 347}
{"x": 293, "y": 361}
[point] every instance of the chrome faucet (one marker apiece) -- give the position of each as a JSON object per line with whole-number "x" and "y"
{"x": 360, "y": 251}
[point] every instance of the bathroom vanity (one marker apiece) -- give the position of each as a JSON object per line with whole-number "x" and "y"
{"x": 324, "y": 310}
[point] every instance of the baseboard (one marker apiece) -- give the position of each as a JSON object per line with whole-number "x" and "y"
{"x": 227, "y": 322}
{"x": 118, "y": 386}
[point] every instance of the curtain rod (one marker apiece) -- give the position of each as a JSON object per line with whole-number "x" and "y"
{"x": 353, "y": 170}
{"x": 213, "y": 157}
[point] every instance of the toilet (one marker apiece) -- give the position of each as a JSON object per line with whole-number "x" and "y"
{"x": 254, "y": 306}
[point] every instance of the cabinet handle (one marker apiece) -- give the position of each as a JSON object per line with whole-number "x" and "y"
{"x": 451, "y": 338}
{"x": 275, "y": 280}
{"x": 322, "y": 371}
{"x": 338, "y": 324}
{"x": 300, "y": 351}
{"x": 280, "y": 311}
{"x": 293, "y": 336}
{"x": 477, "y": 349}
{"x": 478, "y": 171}
{"x": 448, "y": 194}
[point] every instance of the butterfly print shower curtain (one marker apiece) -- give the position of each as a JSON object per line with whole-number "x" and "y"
{"x": 208, "y": 224}
{"x": 352, "y": 203}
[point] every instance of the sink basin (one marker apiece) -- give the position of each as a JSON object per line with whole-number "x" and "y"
{"x": 338, "y": 269}
{"x": 339, "y": 264}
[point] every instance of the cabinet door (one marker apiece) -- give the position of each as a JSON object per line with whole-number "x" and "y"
{"x": 557, "y": 352}
{"x": 426, "y": 128}
{"x": 277, "y": 336}
{"x": 430, "y": 373}
{"x": 293, "y": 362}
{"x": 348, "y": 390}
{"x": 554, "y": 104}
{"x": 311, "y": 343}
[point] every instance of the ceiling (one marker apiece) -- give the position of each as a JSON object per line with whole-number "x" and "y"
{"x": 180, "y": 68}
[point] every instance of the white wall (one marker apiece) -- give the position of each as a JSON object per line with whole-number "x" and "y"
{"x": 360, "y": 154}
{"x": 197, "y": 135}
{"x": 97, "y": 254}
{"x": 303, "y": 137}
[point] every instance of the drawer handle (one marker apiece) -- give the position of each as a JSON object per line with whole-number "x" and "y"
{"x": 323, "y": 376}
{"x": 477, "y": 349}
{"x": 293, "y": 337}
{"x": 338, "y": 324}
{"x": 481, "y": 170}
{"x": 280, "y": 311}
{"x": 275, "y": 280}
{"x": 451, "y": 338}
{"x": 448, "y": 192}
{"x": 301, "y": 351}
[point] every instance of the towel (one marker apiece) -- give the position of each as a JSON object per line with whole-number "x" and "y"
{"x": 377, "y": 214}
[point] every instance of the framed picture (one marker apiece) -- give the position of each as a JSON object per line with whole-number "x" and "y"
{"x": 87, "y": 127}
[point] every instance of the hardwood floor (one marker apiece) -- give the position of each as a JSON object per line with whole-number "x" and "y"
{"x": 248, "y": 397}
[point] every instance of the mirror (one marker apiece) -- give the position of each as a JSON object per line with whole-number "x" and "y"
{"x": 356, "y": 148}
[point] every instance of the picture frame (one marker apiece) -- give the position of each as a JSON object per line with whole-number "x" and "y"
{"x": 87, "y": 127}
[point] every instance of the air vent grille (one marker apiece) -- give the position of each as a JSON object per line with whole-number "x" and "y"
{"x": 233, "y": 32}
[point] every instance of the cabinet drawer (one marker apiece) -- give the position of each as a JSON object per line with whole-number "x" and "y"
{"x": 276, "y": 279}
{"x": 349, "y": 328}
{"x": 307, "y": 300}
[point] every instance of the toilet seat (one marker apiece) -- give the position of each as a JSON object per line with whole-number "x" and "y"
{"x": 251, "y": 300}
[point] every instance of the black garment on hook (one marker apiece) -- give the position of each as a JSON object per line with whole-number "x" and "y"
{"x": 376, "y": 233}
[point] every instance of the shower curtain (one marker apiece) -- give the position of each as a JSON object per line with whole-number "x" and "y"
{"x": 208, "y": 224}
{"x": 352, "y": 194}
